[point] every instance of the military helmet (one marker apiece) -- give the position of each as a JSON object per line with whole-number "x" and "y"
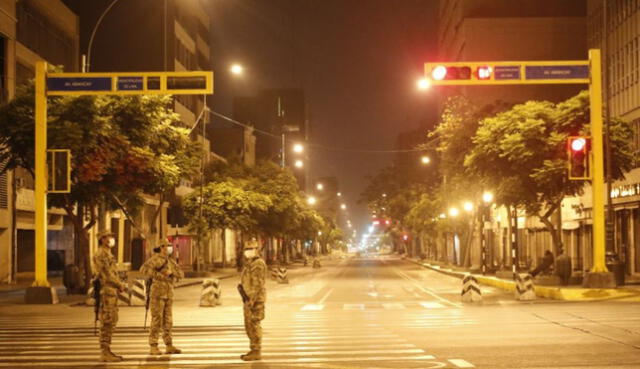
{"x": 251, "y": 244}
{"x": 162, "y": 242}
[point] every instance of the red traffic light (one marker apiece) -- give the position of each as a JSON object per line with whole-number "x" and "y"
{"x": 442, "y": 72}
{"x": 484, "y": 72}
{"x": 578, "y": 158}
{"x": 578, "y": 143}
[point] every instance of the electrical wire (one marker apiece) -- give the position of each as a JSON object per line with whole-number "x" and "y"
{"x": 319, "y": 146}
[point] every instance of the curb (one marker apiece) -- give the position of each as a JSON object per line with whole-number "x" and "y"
{"x": 555, "y": 293}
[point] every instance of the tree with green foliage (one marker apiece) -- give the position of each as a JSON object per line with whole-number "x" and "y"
{"x": 122, "y": 147}
{"x": 521, "y": 154}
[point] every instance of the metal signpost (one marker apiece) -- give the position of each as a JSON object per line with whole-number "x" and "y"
{"x": 548, "y": 72}
{"x": 76, "y": 84}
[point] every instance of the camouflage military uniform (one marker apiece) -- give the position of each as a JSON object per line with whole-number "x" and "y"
{"x": 106, "y": 271}
{"x": 253, "y": 281}
{"x": 161, "y": 295}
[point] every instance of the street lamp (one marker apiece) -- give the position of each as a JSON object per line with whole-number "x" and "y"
{"x": 467, "y": 206}
{"x": 423, "y": 84}
{"x": 299, "y": 163}
{"x": 454, "y": 212}
{"x": 487, "y": 197}
{"x": 319, "y": 186}
{"x": 343, "y": 206}
{"x": 339, "y": 194}
{"x": 311, "y": 200}
{"x": 425, "y": 159}
{"x": 298, "y": 148}
{"x": 236, "y": 69}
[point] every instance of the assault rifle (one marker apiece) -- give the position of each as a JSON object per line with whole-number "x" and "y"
{"x": 96, "y": 304}
{"x": 149, "y": 283}
{"x": 243, "y": 294}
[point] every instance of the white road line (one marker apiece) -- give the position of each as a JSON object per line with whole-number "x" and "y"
{"x": 324, "y": 298}
{"x": 312, "y": 307}
{"x": 426, "y": 290}
{"x": 461, "y": 363}
{"x": 432, "y": 305}
{"x": 393, "y": 306}
{"x": 175, "y": 361}
{"x": 353, "y": 307}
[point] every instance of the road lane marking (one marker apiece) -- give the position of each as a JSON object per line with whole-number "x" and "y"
{"x": 324, "y": 298}
{"x": 426, "y": 290}
{"x": 432, "y": 305}
{"x": 461, "y": 363}
{"x": 176, "y": 361}
{"x": 312, "y": 307}
{"x": 353, "y": 307}
{"x": 393, "y": 305}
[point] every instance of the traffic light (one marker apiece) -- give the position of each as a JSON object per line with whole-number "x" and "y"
{"x": 578, "y": 149}
{"x": 459, "y": 72}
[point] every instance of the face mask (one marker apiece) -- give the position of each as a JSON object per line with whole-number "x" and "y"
{"x": 111, "y": 242}
{"x": 169, "y": 250}
{"x": 249, "y": 253}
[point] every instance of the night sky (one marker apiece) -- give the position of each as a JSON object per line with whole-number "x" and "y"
{"x": 357, "y": 62}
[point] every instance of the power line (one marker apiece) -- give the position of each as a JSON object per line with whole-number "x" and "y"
{"x": 324, "y": 147}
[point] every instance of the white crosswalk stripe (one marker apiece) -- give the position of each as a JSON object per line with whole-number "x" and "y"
{"x": 302, "y": 337}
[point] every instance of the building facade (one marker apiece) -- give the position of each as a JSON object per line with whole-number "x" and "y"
{"x": 32, "y": 31}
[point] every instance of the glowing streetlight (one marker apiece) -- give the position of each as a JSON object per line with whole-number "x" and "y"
{"x": 454, "y": 212}
{"x": 236, "y": 69}
{"x": 384, "y": 195}
{"x": 442, "y": 215}
{"x": 425, "y": 159}
{"x": 467, "y": 206}
{"x": 311, "y": 200}
{"x": 487, "y": 197}
{"x": 320, "y": 187}
{"x": 298, "y": 148}
{"x": 343, "y": 206}
{"x": 423, "y": 84}
{"x": 299, "y": 163}
{"x": 339, "y": 194}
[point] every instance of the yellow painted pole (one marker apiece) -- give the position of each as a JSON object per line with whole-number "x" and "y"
{"x": 41, "y": 177}
{"x": 595, "y": 95}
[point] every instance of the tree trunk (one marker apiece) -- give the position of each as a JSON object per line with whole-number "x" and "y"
{"x": 224, "y": 248}
{"x": 555, "y": 233}
{"x": 80, "y": 230}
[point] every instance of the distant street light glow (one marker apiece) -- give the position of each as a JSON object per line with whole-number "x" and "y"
{"x": 487, "y": 197}
{"x": 425, "y": 160}
{"x": 423, "y": 84}
{"x": 454, "y": 212}
{"x": 320, "y": 187}
{"x": 311, "y": 200}
{"x": 467, "y": 206}
{"x": 343, "y": 206}
{"x": 299, "y": 163}
{"x": 237, "y": 69}
{"x": 298, "y": 148}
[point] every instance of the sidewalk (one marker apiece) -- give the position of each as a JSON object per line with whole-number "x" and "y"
{"x": 566, "y": 293}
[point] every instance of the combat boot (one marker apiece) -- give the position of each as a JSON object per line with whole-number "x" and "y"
{"x": 251, "y": 356}
{"x": 171, "y": 349}
{"x": 107, "y": 356}
{"x": 154, "y": 350}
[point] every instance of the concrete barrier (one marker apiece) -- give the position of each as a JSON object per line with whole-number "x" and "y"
{"x": 139, "y": 292}
{"x": 211, "y": 294}
{"x": 124, "y": 297}
{"x": 471, "y": 289}
{"x": 524, "y": 287}
{"x": 281, "y": 275}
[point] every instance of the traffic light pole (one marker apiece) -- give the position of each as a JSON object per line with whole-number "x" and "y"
{"x": 549, "y": 72}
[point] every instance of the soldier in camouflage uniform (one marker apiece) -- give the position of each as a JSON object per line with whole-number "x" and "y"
{"x": 107, "y": 273}
{"x": 164, "y": 272}
{"x": 253, "y": 281}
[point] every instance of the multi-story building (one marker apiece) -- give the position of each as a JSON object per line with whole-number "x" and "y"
{"x": 503, "y": 30}
{"x": 616, "y": 31}
{"x": 143, "y": 35}
{"x": 32, "y": 31}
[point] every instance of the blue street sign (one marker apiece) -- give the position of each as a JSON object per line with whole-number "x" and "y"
{"x": 79, "y": 83}
{"x": 556, "y": 71}
{"x": 501, "y": 72}
{"x": 130, "y": 83}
